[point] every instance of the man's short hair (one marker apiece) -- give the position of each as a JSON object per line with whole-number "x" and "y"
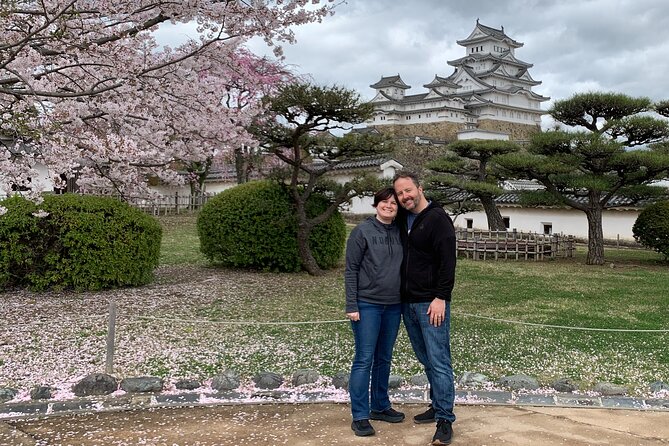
{"x": 412, "y": 175}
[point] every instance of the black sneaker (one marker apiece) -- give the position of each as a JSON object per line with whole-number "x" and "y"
{"x": 444, "y": 433}
{"x": 425, "y": 417}
{"x": 362, "y": 428}
{"x": 389, "y": 415}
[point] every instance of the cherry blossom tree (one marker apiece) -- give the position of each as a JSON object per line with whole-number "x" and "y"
{"x": 86, "y": 90}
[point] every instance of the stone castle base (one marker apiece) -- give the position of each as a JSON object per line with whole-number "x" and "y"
{"x": 447, "y": 131}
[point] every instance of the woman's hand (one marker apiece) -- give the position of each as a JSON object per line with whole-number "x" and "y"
{"x": 353, "y": 316}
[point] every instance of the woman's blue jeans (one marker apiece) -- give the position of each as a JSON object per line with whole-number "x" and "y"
{"x": 432, "y": 346}
{"x": 375, "y": 334}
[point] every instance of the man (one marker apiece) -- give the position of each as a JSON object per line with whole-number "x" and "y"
{"x": 428, "y": 276}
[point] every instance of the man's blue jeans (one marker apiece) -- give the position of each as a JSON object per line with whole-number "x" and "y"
{"x": 375, "y": 334}
{"x": 432, "y": 346}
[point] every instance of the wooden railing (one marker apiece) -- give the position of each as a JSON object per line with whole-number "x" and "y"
{"x": 483, "y": 245}
{"x": 167, "y": 204}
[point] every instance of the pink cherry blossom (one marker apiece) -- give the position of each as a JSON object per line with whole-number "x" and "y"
{"x": 86, "y": 90}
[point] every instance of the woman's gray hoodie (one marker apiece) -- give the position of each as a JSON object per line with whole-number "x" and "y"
{"x": 373, "y": 260}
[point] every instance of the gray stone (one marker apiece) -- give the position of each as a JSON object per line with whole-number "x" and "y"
{"x": 395, "y": 381}
{"x": 609, "y": 389}
{"x": 565, "y": 385}
{"x": 7, "y": 394}
{"x": 95, "y": 384}
{"x": 187, "y": 384}
{"x": 72, "y": 406}
{"x": 268, "y": 380}
{"x": 41, "y": 393}
{"x": 472, "y": 379}
{"x": 178, "y": 399}
{"x": 578, "y": 401}
{"x": 419, "y": 380}
{"x": 623, "y": 403}
{"x": 228, "y": 380}
{"x": 340, "y": 380}
{"x": 273, "y": 394}
{"x": 535, "y": 400}
{"x": 408, "y": 395}
{"x": 489, "y": 396}
{"x": 519, "y": 382}
{"x": 305, "y": 376}
{"x": 658, "y": 386}
{"x": 142, "y": 384}
{"x": 30, "y": 408}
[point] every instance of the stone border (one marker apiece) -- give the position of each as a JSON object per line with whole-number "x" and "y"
{"x": 33, "y": 409}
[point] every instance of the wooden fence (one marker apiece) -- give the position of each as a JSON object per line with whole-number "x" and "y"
{"x": 169, "y": 204}
{"x": 483, "y": 245}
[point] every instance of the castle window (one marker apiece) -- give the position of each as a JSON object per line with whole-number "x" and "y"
{"x": 507, "y": 222}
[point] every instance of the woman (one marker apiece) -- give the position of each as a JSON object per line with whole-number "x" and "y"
{"x": 372, "y": 278}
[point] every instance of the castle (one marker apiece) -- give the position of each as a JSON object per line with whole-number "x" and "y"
{"x": 488, "y": 96}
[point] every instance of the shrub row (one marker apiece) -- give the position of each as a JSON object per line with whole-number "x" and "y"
{"x": 651, "y": 228}
{"x": 253, "y": 225}
{"x": 78, "y": 242}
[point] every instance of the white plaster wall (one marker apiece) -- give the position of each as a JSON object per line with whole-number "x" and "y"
{"x": 43, "y": 180}
{"x": 479, "y": 134}
{"x": 359, "y": 205}
{"x": 615, "y": 223}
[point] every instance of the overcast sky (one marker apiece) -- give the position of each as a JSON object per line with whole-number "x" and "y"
{"x": 574, "y": 45}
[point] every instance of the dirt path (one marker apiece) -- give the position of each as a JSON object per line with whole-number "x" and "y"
{"x": 329, "y": 424}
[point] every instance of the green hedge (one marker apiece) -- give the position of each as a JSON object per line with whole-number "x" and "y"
{"x": 83, "y": 242}
{"x": 651, "y": 228}
{"x": 253, "y": 225}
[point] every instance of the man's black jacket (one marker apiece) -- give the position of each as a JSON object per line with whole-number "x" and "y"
{"x": 428, "y": 268}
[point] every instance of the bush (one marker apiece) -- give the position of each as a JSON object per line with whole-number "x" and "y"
{"x": 651, "y": 228}
{"x": 82, "y": 242}
{"x": 253, "y": 225}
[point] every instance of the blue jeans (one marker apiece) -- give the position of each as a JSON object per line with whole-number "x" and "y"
{"x": 432, "y": 346}
{"x": 375, "y": 335}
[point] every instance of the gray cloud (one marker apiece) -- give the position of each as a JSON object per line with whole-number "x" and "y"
{"x": 609, "y": 45}
{"x": 575, "y": 45}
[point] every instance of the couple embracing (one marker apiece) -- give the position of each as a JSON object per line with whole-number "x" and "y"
{"x": 400, "y": 264}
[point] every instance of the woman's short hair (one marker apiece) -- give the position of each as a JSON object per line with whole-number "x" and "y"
{"x": 384, "y": 194}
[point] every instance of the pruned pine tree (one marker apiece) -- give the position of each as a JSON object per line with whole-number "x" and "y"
{"x": 469, "y": 168}
{"x": 612, "y": 151}
{"x": 297, "y": 130}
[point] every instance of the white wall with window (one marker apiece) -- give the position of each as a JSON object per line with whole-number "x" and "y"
{"x": 616, "y": 223}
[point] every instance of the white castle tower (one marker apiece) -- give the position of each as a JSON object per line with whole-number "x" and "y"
{"x": 488, "y": 94}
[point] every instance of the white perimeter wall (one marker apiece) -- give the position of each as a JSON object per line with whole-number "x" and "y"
{"x": 615, "y": 223}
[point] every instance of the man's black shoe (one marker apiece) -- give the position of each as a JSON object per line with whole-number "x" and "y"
{"x": 425, "y": 417}
{"x": 389, "y": 415}
{"x": 362, "y": 428}
{"x": 444, "y": 433}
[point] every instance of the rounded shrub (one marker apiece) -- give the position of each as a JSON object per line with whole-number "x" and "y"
{"x": 253, "y": 225}
{"x": 76, "y": 241}
{"x": 651, "y": 228}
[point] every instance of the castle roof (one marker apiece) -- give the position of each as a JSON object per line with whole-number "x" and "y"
{"x": 439, "y": 81}
{"x": 483, "y": 32}
{"x": 504, "y": 57}
{"x": 390, "y": 81}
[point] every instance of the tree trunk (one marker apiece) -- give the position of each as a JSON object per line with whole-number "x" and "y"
{"x": 495, "y": 220}
{"x": 308, "y": 261}
{"x": 595, "y": 236}
{"x": 241, "y": 166}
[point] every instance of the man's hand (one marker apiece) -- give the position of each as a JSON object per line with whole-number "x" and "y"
{"x": 353, "y": 316}
{"x": 437, "y": 311}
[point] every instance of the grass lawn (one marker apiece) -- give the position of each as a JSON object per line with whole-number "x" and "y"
{"x": 631, "y": 292}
